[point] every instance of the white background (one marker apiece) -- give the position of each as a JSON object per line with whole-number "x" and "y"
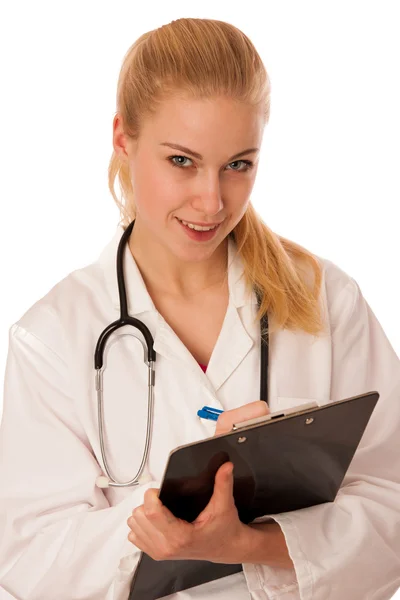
{"x": 329, "y": 172}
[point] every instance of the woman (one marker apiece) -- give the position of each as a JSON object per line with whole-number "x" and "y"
{"x": 192, "y": 104}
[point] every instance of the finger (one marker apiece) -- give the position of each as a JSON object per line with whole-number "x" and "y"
{"x": 243, "y": 413}
{"x": 156, "y": 514}
{"x": 139, "y": 540}
{"x": 145, "y": 531}
{"x": 158, "y": 549}
{"x": 159, "y": 534}
{"x": 153, "y": 507}
{"x": 224, "y": 475}
{"x": 151, "y": 499}
{"x": 222, "y": 498}
{"x": 148, "y": 533}
{"x": 223, "y": 488}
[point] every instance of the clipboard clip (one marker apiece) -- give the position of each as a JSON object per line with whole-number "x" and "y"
{"x": 207, "y": 412}
{"x": 276, "y": 415}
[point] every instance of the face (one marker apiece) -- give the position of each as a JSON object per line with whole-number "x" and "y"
{"x": 206, "y": 184}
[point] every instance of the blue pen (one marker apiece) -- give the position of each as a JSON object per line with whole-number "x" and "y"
{"x": 207, "y": 412}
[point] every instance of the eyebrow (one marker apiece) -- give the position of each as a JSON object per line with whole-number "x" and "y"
{"x": 199, "y": 156}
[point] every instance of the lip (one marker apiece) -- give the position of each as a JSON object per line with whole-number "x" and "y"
{"x": 197, "y": 235}
{"x": 200, "y": 224}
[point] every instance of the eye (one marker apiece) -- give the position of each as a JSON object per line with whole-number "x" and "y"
{"x": 248, "y": 164}
{"x": 171, "y": 159}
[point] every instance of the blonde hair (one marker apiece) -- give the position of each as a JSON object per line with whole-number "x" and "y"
{"x": 205, "y": 58}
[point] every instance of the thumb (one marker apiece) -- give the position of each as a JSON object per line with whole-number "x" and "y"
{"x": 222, "y": 498}
{"x": 223, "y": 483}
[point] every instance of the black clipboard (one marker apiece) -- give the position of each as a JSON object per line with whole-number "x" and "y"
{"x": 284, "y": 463}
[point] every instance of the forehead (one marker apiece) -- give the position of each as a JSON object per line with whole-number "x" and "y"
{"x": 188, "y": 121}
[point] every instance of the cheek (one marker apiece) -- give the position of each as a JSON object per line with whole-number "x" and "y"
{"x": 238, "y": 186}
{"x": 238, "y": 195}
{"x": 236, "y": 208}
{"x": 242, "y": 209}
{"x": 153, "y": 195}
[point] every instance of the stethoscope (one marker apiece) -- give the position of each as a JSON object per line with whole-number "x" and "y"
{"x": 125, "y": 319}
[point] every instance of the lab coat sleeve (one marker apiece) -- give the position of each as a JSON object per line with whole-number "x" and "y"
{"x": 60, "y": 538}
{"x": 350, "y": 548}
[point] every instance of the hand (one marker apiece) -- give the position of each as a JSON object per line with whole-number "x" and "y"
{"x": 237, "y": 415}
{"x": 217, "y": 534}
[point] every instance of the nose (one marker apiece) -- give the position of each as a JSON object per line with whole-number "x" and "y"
{"x": 209, "y": 199}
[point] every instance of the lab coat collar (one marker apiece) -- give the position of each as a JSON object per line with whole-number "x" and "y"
{"x": 138, "y": 298}
{"x": 234, "y": 341}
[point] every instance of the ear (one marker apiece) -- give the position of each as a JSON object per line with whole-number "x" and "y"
{"x": 121, "y": 142}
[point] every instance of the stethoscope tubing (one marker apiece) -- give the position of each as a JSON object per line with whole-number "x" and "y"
{"x": 124, "y": 320}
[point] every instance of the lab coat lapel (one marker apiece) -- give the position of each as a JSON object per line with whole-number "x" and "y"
{"x": 169, "y": 345}
{"x": 232, "y": 346}
{"x": 233, "y": 342}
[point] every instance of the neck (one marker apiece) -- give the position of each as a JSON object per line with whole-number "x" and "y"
{"x": 165, "y": 273}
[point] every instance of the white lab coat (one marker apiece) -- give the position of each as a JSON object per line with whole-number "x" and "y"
{"x": 62, "y": 537}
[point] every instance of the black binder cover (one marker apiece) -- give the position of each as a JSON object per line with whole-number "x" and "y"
{"x": 284, "y": 464}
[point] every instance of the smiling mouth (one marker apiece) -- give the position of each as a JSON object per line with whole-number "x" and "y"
{"x": 195, "y": 227}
